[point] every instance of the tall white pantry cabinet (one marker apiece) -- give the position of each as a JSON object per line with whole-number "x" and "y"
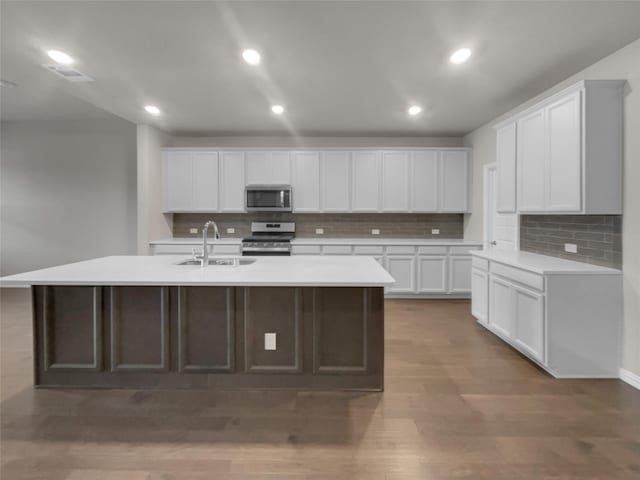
{"x": 564, "y": 155}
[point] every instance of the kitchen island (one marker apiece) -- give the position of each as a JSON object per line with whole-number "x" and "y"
{"x": 147, "y": 322}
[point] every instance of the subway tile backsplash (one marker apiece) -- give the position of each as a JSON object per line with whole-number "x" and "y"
{"x": 346, "y": 225}
{"x": 598, "y": 237}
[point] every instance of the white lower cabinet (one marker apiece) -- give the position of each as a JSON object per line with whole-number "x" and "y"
{"x": 501, "y": 306}
{"x": 432, "y": 273}
{"x": 566, "y": 321}
{"x": 460, "y": 273}
{"x": 403, "y": 269}
{"x": 529, "y": 321}
{"x": 480, "y": 294}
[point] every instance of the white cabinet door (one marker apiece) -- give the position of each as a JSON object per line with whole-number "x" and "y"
{"x": 178, "y": 181}
{"x": 432, "y": 273}
{"x": 306, "y": 181}
{"x": 365, "y": 193}
{"x": 529, "y": 322}
{"x": 280, "y": 168}
{"x": 531, "y": 143}
{"x": 395, "y": 181}
{"x": 232, "y": 182}
{"x": 506, "y": 168}
{"x": 563, "y": 160}
{"x": 205, "y": 181}
{"x": 454, "y": 183}
{"x": 268, "y": 168}
{"x": 402, "y": 269}
{"x": 479, "y": 294}
{"x": 501, "y": 306}
{"x": 460, "y": 274}
{"x": 424, "y": 181}
{"x": 335, "y": 182}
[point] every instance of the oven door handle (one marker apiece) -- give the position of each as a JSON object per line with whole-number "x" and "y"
{"x": 269, "y": 249}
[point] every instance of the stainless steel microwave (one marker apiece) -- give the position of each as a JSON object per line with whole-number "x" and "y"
{"x": 268, "y": 198}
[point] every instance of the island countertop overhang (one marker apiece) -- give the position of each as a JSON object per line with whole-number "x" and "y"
{"x": 301, "y": 271}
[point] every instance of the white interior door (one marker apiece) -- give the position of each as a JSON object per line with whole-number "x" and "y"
{"x": 501, "y": 228}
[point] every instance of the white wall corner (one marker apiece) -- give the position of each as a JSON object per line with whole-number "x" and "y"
{"x": 630, "y": 378}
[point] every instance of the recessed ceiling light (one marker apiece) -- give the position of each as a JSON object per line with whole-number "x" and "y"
{"x": 60, "y": 57}
{"x": 460, "y": 56}
{"x": 252, "y": 57}
{"x": 277, "y": 109}
{"x": 414, "y": 110}
{"x": 152, "y": 109}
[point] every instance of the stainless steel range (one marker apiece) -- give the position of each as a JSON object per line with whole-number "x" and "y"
{"x": 269, "y": 238}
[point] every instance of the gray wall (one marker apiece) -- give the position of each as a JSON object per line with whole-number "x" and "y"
{"x": 68, "y": 192}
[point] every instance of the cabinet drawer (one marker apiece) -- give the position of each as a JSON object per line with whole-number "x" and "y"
{"x": 532, "y": 280}
{"x": 480, "y": 263}
{"x": 401, "y": 250}
{"x": 336, "y": 249}
{"x": 462, "y": 250}
{"x": 305, "y": 249}
{"x": 436, "y": 250}
{"x": 368, "y": 249}
{"x": 226, "y": 249}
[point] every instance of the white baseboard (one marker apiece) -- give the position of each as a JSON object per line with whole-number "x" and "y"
{"x": 630, "y": 378}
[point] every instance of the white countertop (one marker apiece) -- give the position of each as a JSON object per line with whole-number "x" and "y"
{"x": 298, "y": 271}
{"x": 543, "y": 264}
{"x": 329, "y": 241}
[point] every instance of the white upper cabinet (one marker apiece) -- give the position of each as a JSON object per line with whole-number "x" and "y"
{"x": 306, "y": 181}
{"x": 531, "y": 161}
{"x": 190, "y": 181}
{"x": 335, "y": 181}
{"x": 506, "y": 163}
{"x": 399, "y": 181}
{"x": 569, "y": 151}
{"x": 395, "y": 181}
{"x": 365, "y": 177}
{"x": 423, "y": 181}
{"x": 563, "y": 168}
{"x": 178, "y": 177}
{"x": 454, "y": 184}
{"x": 268, "y": 168}
{"x": 232, "y": 182}
{"x": 205, "y": 181}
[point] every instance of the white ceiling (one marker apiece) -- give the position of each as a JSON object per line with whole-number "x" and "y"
{"x": 340, "y": 68}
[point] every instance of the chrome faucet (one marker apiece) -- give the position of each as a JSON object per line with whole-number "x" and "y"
{"x": 216, "y": 236}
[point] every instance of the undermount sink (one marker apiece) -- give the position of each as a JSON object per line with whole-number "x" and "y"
{"x": 230, "y": 261}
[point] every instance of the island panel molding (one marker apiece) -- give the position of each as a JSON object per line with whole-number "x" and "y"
{"x": 273, "y": 310}
{"x": 139, "y": 328}
{"x": 144, "y": 343}
{"x": 206, "y": 329}
{"x": 340, "y": 348}
{"x": 68, "y": 344}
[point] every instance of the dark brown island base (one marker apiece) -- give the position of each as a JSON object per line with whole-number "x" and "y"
{"x": 153, "y": 322}
{"x": 198, "y": 337}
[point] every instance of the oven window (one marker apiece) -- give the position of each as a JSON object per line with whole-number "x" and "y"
{"x": 268, "y": 198}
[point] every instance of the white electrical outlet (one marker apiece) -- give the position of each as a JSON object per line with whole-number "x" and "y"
{"x": 231, "y": 230}
{"x": 319, "y": 231}
{"x": 571, "y": 248}
{"x": 375, "y": 231}
{"x": 269, "y": 341}
{"x": 435, "y": 231}
{"x": 193, "y": 230}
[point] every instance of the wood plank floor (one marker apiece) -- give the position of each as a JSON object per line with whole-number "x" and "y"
{"x": 458, "y": 404}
